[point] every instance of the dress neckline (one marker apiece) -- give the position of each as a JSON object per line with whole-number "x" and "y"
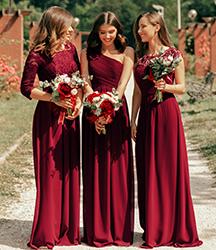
{"x": 159, "y": 54}
{"x": 111, "y": 58}
{"x": 66, "y": 48}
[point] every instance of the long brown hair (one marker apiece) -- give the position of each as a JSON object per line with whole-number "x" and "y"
{"x": 94, "y": 43}
{"x": 163, "y": 34}
{"x": 52, "y": 29}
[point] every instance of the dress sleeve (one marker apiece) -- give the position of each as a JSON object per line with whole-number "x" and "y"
{"x": 29, "y": 74}
{"x": 175, "y": 52}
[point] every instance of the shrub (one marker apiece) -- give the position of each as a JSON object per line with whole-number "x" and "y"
{"x": 9, "y": 77}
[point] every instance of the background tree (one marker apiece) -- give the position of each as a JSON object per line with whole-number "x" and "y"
{"x": 126, "y": 10}
{"x": 204, "y": 9}
{"x": 5, "y": 3}
{"x": 46, "y": 4}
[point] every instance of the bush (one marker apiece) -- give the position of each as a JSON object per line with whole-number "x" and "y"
{"x": 189, "y": 44}
{"x": 9, "y": 77}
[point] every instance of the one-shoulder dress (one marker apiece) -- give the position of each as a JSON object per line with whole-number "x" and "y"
{"x": 107, "y": 166}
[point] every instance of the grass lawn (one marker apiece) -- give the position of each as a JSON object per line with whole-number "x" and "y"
{"x": 16, "y": 171}
{"x": 15, "y": 119}
{"x": 200, "y": 125}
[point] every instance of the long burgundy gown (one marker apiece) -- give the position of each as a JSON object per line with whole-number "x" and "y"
{"x": 56, "y": 157}
{"x": 107, "y": 167}
{"x": 165, "y": 205}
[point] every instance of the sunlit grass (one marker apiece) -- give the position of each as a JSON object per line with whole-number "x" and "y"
{"x": 15, "y": 119}
{"x": 200, "y": 123}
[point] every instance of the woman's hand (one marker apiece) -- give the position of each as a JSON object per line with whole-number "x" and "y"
{"x": 133, "y": 131}
{"x": 99, "y": 126}
{"x": 160, "y": 84}
{"x": 87, "y": 89}
{"x": 65, "y": 103}
{"x": 77, "y": 110}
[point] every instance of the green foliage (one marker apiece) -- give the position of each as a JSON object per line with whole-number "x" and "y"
{"x": 126, "y": 10}
{"x": 204, "y": 9}
{"x": 189, "y": 44}
{"x": 46, "y": 4}
{"x": 33, "y": 17}
{"x": 4, "y": 4}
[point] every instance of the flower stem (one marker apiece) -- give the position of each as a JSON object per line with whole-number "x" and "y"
{"x": 159, "y": 95}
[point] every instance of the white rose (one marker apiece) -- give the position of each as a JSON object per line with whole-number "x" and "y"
{"x": 67, "y": 79}
{"x": 96, "y": 99}
{"x": 74, "y": 92}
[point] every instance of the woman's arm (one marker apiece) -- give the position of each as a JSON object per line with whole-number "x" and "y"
{"x": 43, "y": 96}
{"x": 126, "y": 72}
{"x": 178, "y": 88}
{"x": 29, "y": 74}
{"x": 135, "y": 108}
{"x": 85, "y": 72}
{"x": 27, "y": 83}
{"x": 28, "y": 77}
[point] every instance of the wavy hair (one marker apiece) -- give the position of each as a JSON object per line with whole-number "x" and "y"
{"x": 94, "y": 43}
{"x": 163, "y": 34}
{"x": 52, "y": 30}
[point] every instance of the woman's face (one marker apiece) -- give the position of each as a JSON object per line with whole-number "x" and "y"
{"x": 146, "y": 30}
{"x": 107, "y": 34}
{"x": 69, "y": 33}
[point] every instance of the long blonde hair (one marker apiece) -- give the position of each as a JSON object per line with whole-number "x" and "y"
{"x": 52, "y": 30}
{"x": 163, "y": 34}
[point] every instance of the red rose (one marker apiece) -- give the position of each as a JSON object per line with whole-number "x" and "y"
{"x": 150, "y": 76}
{"x": 92, "y": 96}
{"x": 64, "y": 90}
{"x": 107, "y": 107}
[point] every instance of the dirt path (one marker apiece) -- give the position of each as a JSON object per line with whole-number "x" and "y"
{"x": 15, "y": 224}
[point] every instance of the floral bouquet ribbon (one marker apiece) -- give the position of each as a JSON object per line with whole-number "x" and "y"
{"x": 102, "y": 106}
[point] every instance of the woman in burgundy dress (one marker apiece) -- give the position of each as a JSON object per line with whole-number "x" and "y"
{"x": 55, "y": 145}
{"x": 107, "y": 159}
{"x": 165, "y": 205}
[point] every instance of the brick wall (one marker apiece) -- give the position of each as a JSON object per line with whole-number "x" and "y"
{"x": 11, "y": 37}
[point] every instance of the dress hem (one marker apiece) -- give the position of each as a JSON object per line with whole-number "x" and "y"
{"x": 173, "y": 244}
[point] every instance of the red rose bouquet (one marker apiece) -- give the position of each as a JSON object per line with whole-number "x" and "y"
{"x": 102, "y": 106}
{"x": 160, "y": 66}
{"x": 63, "y": 86}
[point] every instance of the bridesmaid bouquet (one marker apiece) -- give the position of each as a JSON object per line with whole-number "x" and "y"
{"x": 64, "y": 86}
{"x": 160, "y": 67}
{"x": 102, "y": 106}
